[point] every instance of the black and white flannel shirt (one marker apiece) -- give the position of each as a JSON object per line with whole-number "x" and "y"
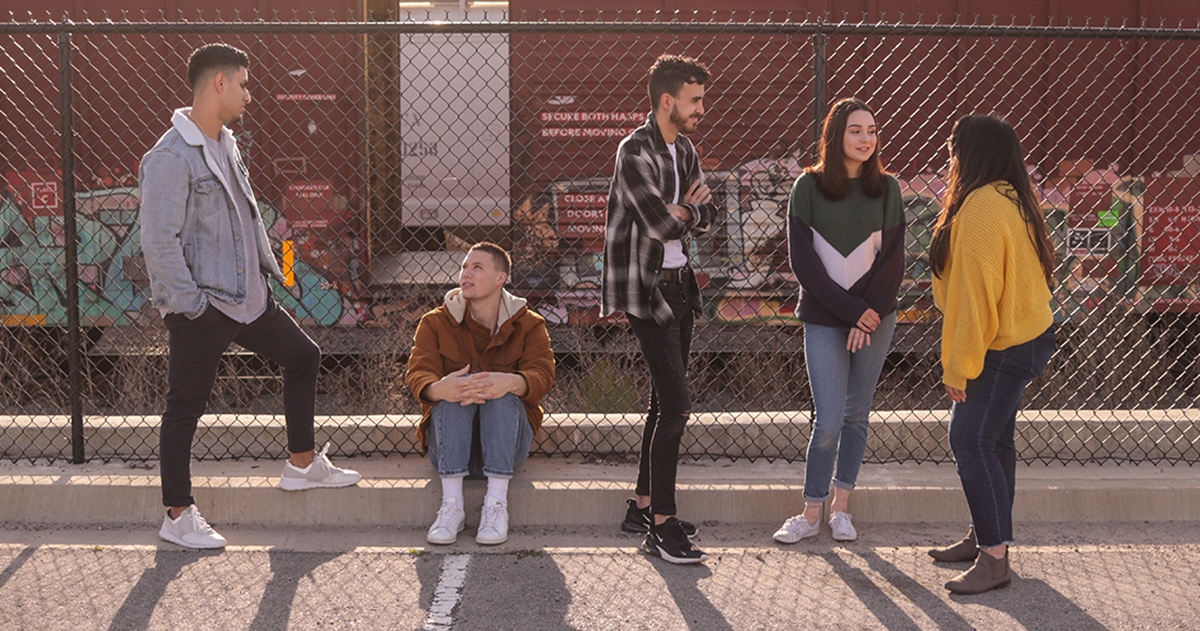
{"x": 637, "y": 223}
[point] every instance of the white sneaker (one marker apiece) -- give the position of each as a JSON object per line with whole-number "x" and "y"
{"x": 795, "y": 529}
{"x": 449, "y": 522}
{"x": 320, "y": 474}
{"x": 190, "y": 531}
{"x": 843, "y": 530}
{"x": 493, "y": 523}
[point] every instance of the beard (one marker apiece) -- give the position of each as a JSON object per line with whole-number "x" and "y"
{"x": 684, "y": 125}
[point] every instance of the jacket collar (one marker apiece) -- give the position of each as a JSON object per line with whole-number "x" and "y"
{"x": 190, "y": 131}
{"x": 191, "y": 134}
{"x": 660, "y": 145}
{"x": 456, "y": 305}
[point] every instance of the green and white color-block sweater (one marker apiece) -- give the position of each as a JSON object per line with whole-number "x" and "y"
{"x": 848, "y": 254}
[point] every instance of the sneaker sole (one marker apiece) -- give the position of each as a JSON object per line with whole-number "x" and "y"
{"x": 444, "y": 542}
{"x": 845, "y": 540}
{"x": 796, "y": 540}
{"x": 170, "y": 538}
{"x": 491, "y": 542}
{"x": 658, "y": 552}
{"x": 305, "y": 485}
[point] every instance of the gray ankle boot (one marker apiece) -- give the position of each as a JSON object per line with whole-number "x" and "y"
{"x": 965, "y": 550}
{"x": 987, "y": 573}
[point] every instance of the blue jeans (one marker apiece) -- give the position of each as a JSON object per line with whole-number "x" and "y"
{"x": 981, "y": 435}
{"x": 504, "y": 435}
{"x": 843, "y": 385}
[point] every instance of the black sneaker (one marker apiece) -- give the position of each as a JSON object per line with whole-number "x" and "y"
{"x": 639, "y": 519}
{"x": 668, "y": 542}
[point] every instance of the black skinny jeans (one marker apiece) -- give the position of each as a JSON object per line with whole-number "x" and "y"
{"x": 196, "y": 348}
{"x": 666, "y": 351}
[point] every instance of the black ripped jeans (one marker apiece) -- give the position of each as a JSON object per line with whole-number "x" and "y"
{"x": 666, "y": 351}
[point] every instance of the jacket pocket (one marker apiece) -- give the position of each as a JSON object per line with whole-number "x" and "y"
{"x": 209, "y": 195}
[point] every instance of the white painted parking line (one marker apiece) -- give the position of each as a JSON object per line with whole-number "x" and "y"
{"x": 448, "y": 592}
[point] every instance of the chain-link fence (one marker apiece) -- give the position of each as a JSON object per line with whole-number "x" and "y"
{"x": 380, "y": 150}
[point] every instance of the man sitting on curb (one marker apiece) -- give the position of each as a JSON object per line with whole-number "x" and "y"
{"x": 480, "y": 365}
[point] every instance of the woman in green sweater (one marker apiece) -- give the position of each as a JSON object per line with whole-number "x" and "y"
{"x": 992, "y": 262}
{"x": 846, "y": 243}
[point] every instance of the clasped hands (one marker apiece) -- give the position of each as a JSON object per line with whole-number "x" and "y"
{"x": 860, "y": 335}
{"x": 466, "y": 388}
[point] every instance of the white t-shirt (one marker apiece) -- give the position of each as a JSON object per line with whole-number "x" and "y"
{"x": 673, "y": 256}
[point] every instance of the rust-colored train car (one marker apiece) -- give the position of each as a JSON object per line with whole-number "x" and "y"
{"x": 533, "y": 172}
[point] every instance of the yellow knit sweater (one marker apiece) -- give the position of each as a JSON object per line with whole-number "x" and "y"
{"x": 992, "y": 292}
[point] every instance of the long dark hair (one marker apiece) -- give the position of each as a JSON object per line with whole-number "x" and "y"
{"x": 830, "y": 173}
{"x": 985, "y": 149}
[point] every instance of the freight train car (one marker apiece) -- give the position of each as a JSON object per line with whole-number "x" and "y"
{"x": 377, "y": 157}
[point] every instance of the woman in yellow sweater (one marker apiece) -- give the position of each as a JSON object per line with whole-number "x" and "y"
{"x": 992, "y": 262}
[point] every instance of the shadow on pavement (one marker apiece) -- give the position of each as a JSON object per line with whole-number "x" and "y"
{"x": 931, "y": 603}
{"x": 885, "y": 610}
{"x": 16, "y": 564}
{"x": 518, "y": 589}
{"x": 695, "y": 608}
{"x": 1034, "y": 604}
{"x": 287, "y": 569}
{"x": 139, "y": 605}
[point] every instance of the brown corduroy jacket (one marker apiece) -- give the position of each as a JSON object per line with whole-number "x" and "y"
{"x": 448, "y": 339}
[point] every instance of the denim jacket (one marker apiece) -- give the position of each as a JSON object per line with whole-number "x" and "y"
{"x": 191, "y": 234}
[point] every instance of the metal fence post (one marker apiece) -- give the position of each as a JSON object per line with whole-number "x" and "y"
{"x": 819, "y": 85}
{"x": 71, "y": 246}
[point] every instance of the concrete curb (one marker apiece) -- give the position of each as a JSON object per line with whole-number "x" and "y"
{"x": 549, "y": 492}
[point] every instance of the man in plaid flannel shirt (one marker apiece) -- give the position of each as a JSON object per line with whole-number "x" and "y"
{"x": 657, "y": 200}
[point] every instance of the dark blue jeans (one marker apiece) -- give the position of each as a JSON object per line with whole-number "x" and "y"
{"x": 982, "y": 431}
{"x": 666, "y": 351}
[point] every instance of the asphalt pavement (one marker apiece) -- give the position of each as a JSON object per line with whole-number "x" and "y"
{"x": 1122, "y": 575}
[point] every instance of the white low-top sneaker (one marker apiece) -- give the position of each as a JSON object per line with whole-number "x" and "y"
{"x": 795, "y": 529}
{"x": 190, "y": 531}
{"x": 493, "y": 523}
{"x": 843, "y": 530}
{"x": 320, "y": 474}
{"x": 450, "y": 521}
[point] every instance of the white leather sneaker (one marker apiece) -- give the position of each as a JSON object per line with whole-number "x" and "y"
{"x": 320, "y": 474}
{"x": 843, "y": 530}
{"x": 450, "y": 521}
{"x": 190, "y": 531}
{"x": 493, "y": 523}
{"x": 796, "y": 528}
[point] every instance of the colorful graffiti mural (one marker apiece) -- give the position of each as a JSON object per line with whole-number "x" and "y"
{"x": 323, "y": 262}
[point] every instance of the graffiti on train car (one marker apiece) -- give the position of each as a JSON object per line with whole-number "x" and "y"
{"x": 324, "y": 283}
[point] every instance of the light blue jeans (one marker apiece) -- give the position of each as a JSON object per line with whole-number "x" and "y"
{"x": 843, "y": 385}
{"x": 504, "y": 435}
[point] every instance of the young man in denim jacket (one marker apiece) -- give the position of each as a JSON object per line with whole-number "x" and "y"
{"x": 208, "y": 256}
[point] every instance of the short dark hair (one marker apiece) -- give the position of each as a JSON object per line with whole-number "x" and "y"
{"x": 499, "y": 255}
{"x": 670, "y": 72}
{"x": 215, "y": 58}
